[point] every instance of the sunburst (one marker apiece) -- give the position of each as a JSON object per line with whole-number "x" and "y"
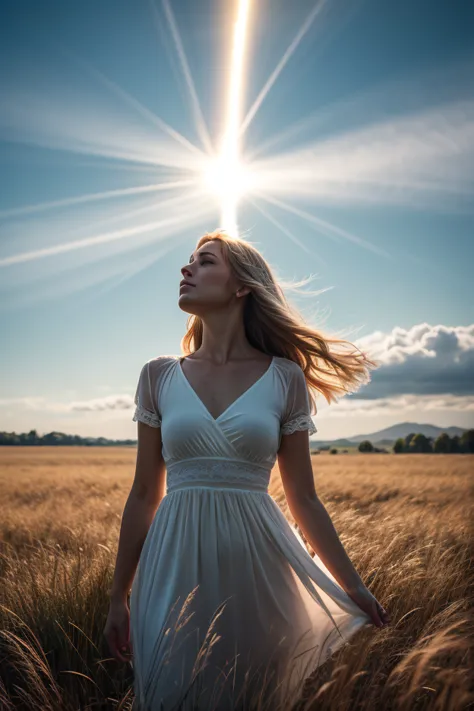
{"x": 419, "y": 160}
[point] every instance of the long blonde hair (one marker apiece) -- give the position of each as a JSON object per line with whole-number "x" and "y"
{"x": 274, "y": 327}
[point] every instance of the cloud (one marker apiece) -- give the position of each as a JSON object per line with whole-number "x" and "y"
{"x": 424, "y": 360}
{"x": 400, "y": 406}
{"x": 99, "y": 404}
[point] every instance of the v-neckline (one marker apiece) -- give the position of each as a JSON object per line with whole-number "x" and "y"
{"x": 216, "y": 419}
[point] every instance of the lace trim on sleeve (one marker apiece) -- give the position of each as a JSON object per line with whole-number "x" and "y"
{"x": 302, "y": 422}
{"x": 149, "y": 418}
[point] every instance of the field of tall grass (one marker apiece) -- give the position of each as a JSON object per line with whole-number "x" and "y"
{"x": 404, "y": 520}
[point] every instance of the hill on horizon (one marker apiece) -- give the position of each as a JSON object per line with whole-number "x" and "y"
{"x": 403, "y": 429}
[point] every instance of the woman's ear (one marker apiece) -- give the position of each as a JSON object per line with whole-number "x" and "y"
{"x": 243, "y": 291}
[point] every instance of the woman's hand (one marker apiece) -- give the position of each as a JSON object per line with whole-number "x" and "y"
{"x": 369, "y": 604}
{"x": 117, "y": 631}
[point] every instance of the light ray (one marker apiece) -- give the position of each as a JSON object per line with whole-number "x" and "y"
{"x": 385, "y": 97}
{"x": 199, "y": 118}
{"x": 327, "y": 226}
{"x": 92, "y": 197}
{"x": 71, "y": 126}
{"x": 283, "y": 229}
{"x": 73, "y": 278}
{"x": 115, "y": 164}
{"x": 229, "y": 171}
{"x": 125, "y": 275}
{"x": 142, "y": 110}
{"x": 280, "y": 66}
{"x": 199, "y": 208}
{"x": 119, "y": 215}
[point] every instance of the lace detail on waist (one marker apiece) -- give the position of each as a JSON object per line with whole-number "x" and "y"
{"x": 302, "y": 422}
{"x": 218, "y": 473}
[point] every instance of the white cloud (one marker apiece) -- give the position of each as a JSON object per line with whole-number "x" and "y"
{"x": 423, "y": 361}
{"x": 396, "y": 405}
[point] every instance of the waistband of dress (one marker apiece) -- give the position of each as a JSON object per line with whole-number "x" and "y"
{"x": 217, "y": 473}
{"x": 217, "y": 487}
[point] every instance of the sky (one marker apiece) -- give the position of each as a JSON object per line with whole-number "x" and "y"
{"x": 359, "y": 140}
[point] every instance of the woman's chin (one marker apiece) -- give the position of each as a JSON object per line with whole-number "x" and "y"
{"x": 185, "y": 304}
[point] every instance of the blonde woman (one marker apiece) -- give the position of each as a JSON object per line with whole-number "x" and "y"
{"x": 225, "y": 599}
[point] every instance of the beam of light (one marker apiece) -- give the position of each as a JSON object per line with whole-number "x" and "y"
{"x": 386, "y": 96}
{"x": 93, "y": 197}
{"x": 283, "y": 229}
{"x": 325, "y": 226}
{"x": 117, "y": 214}
{"x": 114, "y": 276}
{"x": 108, "y": 273}
{"x": 118, "y": 165}
{"x": 192, "y": 203}
{"x": 71, "y": 125}
{"x": 200, "y": 123}
{"x": 226, "y": 176}
{"x": 125, "y": 275}
{"x": 146, "y": 113}
{"x": 280, "y": 66}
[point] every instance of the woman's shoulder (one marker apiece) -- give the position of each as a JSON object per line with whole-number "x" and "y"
{"x": 163, "y": 358}
{"x": 288, "y": 371}
{"x": 159, "y": 363}
{"x": 287, "y": 365}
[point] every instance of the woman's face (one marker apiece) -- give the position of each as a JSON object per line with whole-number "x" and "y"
{"x": 213, "y": 285}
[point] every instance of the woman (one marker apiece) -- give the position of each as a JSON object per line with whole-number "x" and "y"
{"x": 225, "y": 599}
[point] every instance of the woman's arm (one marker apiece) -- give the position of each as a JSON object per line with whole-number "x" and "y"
{"x": 147, "y": 491}
{"x": 315, "y": 522}
{"x": 294, "y": 461}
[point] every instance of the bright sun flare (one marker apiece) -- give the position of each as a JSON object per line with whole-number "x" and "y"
{"x": 227, "y": 180}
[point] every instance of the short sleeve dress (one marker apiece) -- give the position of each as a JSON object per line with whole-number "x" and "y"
{"x": 227, "y": 600}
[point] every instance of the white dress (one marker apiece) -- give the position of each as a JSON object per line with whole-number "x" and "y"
{"x": 220, "y": 538}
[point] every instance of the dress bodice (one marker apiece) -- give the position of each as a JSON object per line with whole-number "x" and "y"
{"x": 237, "y": 448}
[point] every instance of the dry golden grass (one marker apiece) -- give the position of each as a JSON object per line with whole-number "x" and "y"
{"x": 404, "y": 520}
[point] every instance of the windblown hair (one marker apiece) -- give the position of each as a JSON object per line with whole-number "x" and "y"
{"x": 330, "y": 365}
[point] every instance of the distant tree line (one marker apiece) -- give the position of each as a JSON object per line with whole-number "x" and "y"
{"x": 414, "y": 443}
{"x": 418, "y": 443}
{"x": 58, "y": 439}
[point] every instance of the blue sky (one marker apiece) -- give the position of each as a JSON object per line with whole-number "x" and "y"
{"x": 367, "y": 135}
